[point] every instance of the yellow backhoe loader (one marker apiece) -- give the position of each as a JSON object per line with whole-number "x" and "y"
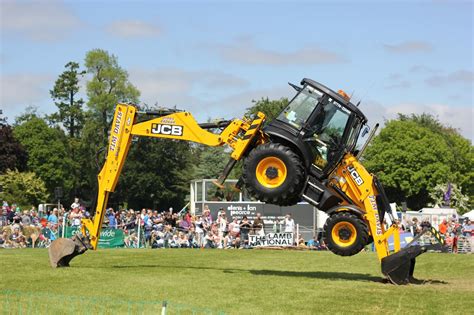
{"x": 306, "y": 153}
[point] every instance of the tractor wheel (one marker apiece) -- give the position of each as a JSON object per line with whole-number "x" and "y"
{"x": 273, "y": 173}
{"x": 345, "y": 233}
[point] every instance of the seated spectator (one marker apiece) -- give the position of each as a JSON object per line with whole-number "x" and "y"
{"x": 131, "y": 240}
{"x": 183, "y": 240}
{"x": 301, "y": 243}
{"x": 313, "y": 243}
{"x": 17, "y": 239}
{"x": 174, "y": 242}
{"x": 210, "y": 240}
{"x": 3, "y": 239}
{"x": 232, "y": 241}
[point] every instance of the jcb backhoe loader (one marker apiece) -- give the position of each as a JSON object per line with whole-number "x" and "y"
{"x": 307, "y": 153}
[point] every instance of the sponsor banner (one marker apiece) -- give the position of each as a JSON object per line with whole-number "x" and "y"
{"x": 271, "y": 239}
{"x": 109, "y": 238}
{"x": 302, "y": 213}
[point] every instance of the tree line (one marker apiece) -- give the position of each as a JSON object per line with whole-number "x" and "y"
{"x": 416, "y": 157}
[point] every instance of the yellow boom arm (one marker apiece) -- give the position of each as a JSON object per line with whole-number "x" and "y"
{"x": 238, "y": 135}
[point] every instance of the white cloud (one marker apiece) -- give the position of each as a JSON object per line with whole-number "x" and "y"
{"x": 171, "y": 86}
{"x": 245, "y": 51}
{"x": 130, "y": 29}
{"x": 460, "y": 76}
{"x": 409, "y": 47}
{"x": 18, "y": 91}
{"x": 37, "y": 20}
{"x": 459, "y": 117}
{"x": 23, "y": 89}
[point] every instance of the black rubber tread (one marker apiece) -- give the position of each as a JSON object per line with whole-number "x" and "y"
{"x": 289, "y": 193}
{"x": 360, "y": 226}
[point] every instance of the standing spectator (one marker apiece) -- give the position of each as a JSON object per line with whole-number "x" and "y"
{"x": 76, "y": 203}
{"x": 234, "y": 227}
{"x": 245, "y": 230}
{"x": 112, "y": 219}
{"x": 53, "y": 217}
{"x": 206, "y": 215}
{"x": 289, "y": 224}
{"x": 258, "y": 225}
{"x": 222, "y": 229}
{"x": 468, "y": 228}
{"x": 4, "y": 217}
{"x": 25, "y": 218}
{"x": 443, "y": 227}
{"x": 199, "y": 228}
{"x": 276, "y": 226}
{"x": 75, "y": 216}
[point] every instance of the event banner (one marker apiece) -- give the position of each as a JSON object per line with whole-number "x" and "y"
{"x": 271, "y": 239}
{"x": 109, "y": 238}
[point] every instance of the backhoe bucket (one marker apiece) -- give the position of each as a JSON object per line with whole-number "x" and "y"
{"x": 399, "y": 267}
{"x": 63, "y": 250}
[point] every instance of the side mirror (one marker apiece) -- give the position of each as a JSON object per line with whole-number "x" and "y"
{"x": 365, "y": 131}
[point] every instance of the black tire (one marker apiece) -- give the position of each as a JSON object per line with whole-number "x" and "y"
{"x": 346, "y": 224}
{"x": 289, "y": 191}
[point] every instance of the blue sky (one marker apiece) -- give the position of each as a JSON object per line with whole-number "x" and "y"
{"x": 213, "y": 58}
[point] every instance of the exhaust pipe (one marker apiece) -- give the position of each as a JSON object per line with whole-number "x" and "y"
{"x": 63, "y": 250}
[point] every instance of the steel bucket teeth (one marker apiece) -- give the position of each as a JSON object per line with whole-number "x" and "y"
{"x": 399, "y": 267}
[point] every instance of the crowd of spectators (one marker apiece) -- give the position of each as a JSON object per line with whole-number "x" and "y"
{"x": 167, "y": 229}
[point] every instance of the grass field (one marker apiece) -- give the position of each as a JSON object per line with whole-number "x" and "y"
{"x": 230, "y": 281}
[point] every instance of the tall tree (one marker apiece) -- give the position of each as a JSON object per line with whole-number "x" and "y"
{"x": 12, "y": 154}
{"x": 271, "y": 108}
{"x": 108, "y": 86}
{"x": 24, "y": 189}
{"x": 413, "y": 154}
{"x": 47, "y": 152}
{"x": 64, "y": 94}
{"x": 156, "y": 174}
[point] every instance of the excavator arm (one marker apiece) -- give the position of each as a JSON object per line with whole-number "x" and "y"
{"x": 239, "y": 134}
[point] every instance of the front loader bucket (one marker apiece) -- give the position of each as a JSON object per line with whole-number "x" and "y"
{"x": 63, "y": 250}
{"x": 399, "y": 267}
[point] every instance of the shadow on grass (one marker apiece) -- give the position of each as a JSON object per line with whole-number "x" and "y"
{"x": 267, "y": 272}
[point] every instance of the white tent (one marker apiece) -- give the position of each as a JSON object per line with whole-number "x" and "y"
{"x": 469, "y": 215}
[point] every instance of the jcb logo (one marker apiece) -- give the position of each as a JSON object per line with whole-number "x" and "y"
{"x": 359, "y": 181}
{"x": 162, "y": 129}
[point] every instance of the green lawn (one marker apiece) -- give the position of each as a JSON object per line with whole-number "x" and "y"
{"x": 132, "y": 281}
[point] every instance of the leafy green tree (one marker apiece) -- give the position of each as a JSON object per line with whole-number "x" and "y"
{"x": 156, "y": 174}
{"x": 64, "y": 94}
{"x": 457, "y": 199}
{"x": 271, "y": 108}
{"x": 25, "y": 189}
{"x": 413, "y": 154}
{"x": 47, "y": 152}
{"x": 12, "y": 153}
{"x": 108, "y": 86}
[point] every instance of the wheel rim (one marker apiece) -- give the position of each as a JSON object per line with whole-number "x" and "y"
{"x": 344, "y": 234}
{"x": 271, "y": 172}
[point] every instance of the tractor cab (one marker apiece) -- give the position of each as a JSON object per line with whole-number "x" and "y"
{"x": 320, "y": 124}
